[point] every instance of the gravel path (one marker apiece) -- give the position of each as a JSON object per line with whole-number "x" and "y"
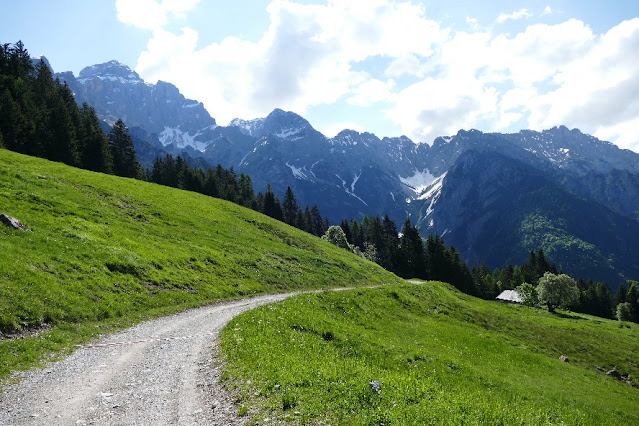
{"x": 157, "y": 373}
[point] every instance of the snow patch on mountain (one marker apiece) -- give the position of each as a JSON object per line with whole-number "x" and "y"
{"x": 181, "y": 139}
{"x": 419, "y": 181}
{"x": 287, "y": 133}
{"x": 355, "y": 181}
{"x": 248, "y": 127}
{"x": 350, "y": 191}
{"x": 434, "y": 190}
{"x": 432, "y": 193}
{"x": 300, "y": 173}
{"x": 131, "y": 79}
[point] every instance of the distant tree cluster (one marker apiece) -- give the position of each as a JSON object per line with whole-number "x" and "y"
{"x": 594, "y": 298}
{"x": 227, "y": 185}
{"x": 489, "y": 284}
{"x": 409, "y": 255}
{"x": 406, "y": 254}
{"x": 39, "y": 117}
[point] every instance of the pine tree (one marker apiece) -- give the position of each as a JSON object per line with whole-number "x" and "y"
{"x": 45, "y": 95}
{"x": 63, "y": 146}
{"x": 20, "y": 64}
{"x": 391, "y": 243}
{"x": 300, "y": 222}
{"x": 125, "y": 162}
{"x": 632, "y": 297}
{"x": 272, "y": 206}
{"x": 210, "y": 185}
{"x": 289, "y": 207}
{"x": 4, "y": 58}
{"x": 308, "y": 221}
{"x": 317, "y": 221}
{"x": 435, "y": 257}
{"x": 620, "y": 295}
{"x": 95, "y": 153}
{"x": 347, "y": 231}
{"x": 412, "y": 249}
{"x": 357, "y": 234}
{"x": 247, "y": 193}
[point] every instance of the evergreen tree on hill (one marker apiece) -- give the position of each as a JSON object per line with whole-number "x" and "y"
{"x": 347, "y": 231}
{"x": 247, "y": 193}
{"x": 125, "y": 162}
{"x": 412, "y": 251}
{"x": 272, "y": 206}
{"x": 317, "y": 222}
{"x": 95, "y": 153}
{"x": 289, "y": 207}
{"x": 64, "y": 122}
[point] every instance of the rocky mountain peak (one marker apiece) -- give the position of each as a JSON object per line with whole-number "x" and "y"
{"x": 112, "y": 70}
{"x": 280, "y": 123}
{"x": 285, "y": 119}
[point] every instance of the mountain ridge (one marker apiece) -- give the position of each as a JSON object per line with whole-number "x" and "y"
{"x": 355, "y": 174}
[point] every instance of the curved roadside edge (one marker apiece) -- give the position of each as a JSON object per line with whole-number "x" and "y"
{"x": 161, "y": 371}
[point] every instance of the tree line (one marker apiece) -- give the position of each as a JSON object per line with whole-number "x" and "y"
{"x": 406, "y": 253}
{"x": 410, "y": 256}
{"x": 226, "y": 184}
{"x": 40, "y": 117}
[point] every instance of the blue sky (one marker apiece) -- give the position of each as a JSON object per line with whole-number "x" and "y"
{"x": 420, "y": 68}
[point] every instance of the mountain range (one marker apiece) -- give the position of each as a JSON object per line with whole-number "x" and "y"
{"x": 493, "y": 196}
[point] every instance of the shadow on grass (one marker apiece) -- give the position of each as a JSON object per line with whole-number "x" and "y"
{"x": 567, "y": 316}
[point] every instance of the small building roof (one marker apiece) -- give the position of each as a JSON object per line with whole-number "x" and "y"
{"x": 510, "y": 296}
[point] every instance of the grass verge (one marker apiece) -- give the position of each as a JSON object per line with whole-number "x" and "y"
{"x": 440, "y": 357}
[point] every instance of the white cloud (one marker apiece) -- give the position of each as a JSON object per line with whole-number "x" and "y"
{"x": 371, "y": 91}
{"x": 472, "y": 22}
{"x": 624, "y": 134}
{"x": 598, "y": 90}
{"x": 144, "y": 14}
{"x": 305, "y": 57}
{"x": 151, "y": 14}
{"x": 547, "y": 11}
{"x": 519, "y": 14}
{"x": 333, "y": 129}
{"x": 435, "y": 107}
{"x": 433, "y": 80}
{"x": 546, "y": 75}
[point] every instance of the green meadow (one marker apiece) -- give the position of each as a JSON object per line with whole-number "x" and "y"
{"x": 440, "y": 357}
{"x": 102, "y": 253}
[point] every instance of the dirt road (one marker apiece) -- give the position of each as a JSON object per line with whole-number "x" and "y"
{"x": 158, "y": 373}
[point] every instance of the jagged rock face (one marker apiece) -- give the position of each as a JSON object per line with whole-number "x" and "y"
{"x": 496, "y": 214}
{"x": 486, "y": 193}
{"x": 574, "y": 151}
{"x": 116, "y": 91}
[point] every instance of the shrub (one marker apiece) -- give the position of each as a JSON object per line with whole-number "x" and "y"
{"x": 528, "y": 294}
{"x": 335, "y": 235}
{"x": 624, "y": 312}
{"x": 556, "y": 291}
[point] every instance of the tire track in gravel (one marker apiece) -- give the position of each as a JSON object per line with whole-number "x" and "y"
{"x": 157, "y": 373}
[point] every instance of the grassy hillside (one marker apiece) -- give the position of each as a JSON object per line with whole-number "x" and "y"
{"x": 441, "y": 357}
{"x": 104, "y": 252}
